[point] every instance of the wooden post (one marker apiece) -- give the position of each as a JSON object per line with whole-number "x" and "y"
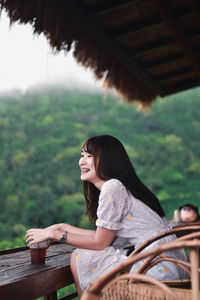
{"x": 52, "y": 296}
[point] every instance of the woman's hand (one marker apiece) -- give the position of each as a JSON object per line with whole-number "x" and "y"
{"x": 34, "y": 236}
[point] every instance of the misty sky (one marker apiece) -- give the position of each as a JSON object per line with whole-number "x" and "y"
{"x": 26, "y": 60}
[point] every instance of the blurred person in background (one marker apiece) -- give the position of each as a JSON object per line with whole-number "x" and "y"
{"x": 187, "y": 213}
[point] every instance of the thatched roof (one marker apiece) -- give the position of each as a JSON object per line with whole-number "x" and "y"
{"x": 143, "y": 48}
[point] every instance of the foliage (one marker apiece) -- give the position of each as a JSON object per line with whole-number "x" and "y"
{"x": 41, "y": 135}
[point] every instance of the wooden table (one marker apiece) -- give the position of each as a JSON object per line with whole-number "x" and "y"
{"x": 19, "y": 279}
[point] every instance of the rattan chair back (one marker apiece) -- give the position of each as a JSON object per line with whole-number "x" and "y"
{"x": 118, "y": 283}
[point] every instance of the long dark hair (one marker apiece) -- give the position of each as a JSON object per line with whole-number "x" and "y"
{"x": 111, "y": 161}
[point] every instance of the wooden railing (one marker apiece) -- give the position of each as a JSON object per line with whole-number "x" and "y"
{"x": 19, "y": 279}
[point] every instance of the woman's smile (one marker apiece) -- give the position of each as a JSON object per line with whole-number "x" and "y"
{"x": 84, "y": 170}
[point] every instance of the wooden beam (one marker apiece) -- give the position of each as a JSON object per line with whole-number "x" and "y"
{"x": 176, "y": 73}
{"x": 130, "y": 29}
{"x": 172, "y": 59}
{"x": 172, "y": 23}
{"x": 13, "y": 250}
{"x": 178, "y": 78}
{"x": 196, "y": 7}
{"x": 115, "y": 49}
{"x": 109, "y": 6}
{"x": 51, "y": 296}
{"x": 156, "y": 45}
{"x": 164, "y": 62}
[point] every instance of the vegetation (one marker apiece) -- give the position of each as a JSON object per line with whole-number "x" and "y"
{"x": 41, "y": 134}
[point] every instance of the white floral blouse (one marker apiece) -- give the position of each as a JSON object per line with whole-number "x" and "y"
{"x": 119, "y": 210}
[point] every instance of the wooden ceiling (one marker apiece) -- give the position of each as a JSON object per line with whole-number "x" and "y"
{"x": 158, "y": 39}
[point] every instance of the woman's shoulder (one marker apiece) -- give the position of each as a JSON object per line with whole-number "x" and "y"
{"x": 113, "y": 184}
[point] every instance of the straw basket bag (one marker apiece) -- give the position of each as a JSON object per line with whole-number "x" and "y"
{"x": 119, "y": 284}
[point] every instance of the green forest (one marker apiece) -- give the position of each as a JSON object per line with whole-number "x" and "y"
{"x": 41, "y": 135}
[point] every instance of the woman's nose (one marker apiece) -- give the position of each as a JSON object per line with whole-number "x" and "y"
{"x": 81, "y": 161}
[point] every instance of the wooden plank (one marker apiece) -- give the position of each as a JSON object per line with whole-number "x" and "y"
{"x": 16, "y": 266}
{"x": 177, "y": 74}
{"x": 160, "y": 44}
{"x": 143, "y": 25}
{"x": 187, "y": 70}
{"x": 19, "y": 279}
{"x": 130, "y": 29}
{"x": 109, "y": 6}
{"x": 13, "y": 250}
{"x": 196, "y": 7}
{"x": 170, "y": 59}
{"x": 37, "y": 285}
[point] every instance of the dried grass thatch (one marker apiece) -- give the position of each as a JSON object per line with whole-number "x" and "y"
{"x": 65, "y": 23}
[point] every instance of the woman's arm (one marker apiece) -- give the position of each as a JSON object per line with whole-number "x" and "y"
{"x": 71, "y": 229}
{"x": 100, "y": 239}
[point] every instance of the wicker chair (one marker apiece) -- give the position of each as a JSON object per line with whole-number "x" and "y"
{"x": 119, "y": 284}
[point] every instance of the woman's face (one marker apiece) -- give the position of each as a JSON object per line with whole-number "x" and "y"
{"x": 88, "y": 171}
{"x": 188, "y": 215}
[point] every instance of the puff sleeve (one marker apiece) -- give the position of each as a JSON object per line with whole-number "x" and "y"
{"x": 112, "y": 205}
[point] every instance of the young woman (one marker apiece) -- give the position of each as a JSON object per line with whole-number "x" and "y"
{"x": 120, "y": 205}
